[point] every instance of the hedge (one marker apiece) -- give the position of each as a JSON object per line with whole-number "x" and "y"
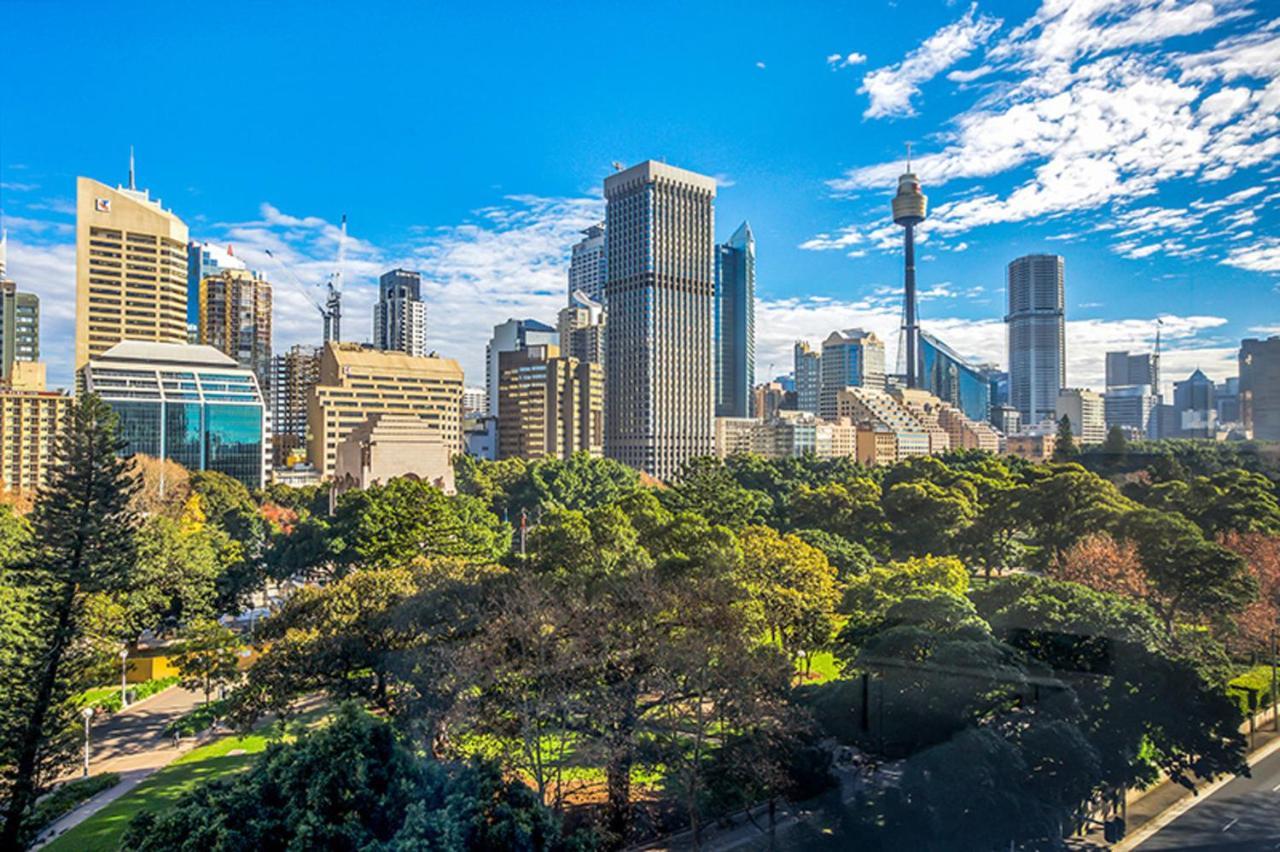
{"x": 1257, "y": 680}
{"x": 108, "y": 698}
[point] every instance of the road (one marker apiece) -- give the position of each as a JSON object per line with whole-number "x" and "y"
{"x": 1242, "y": 814}
{"x": 134, "y": 738}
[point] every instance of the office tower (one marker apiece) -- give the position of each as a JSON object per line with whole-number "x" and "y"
{"x": 735, "y": 323}
{"x": 400, "y": 316}
{"x": 581, "y": 328}
{"x": 808, "y": 372}
{"x": 235, "y": 319}
{"x": 293, "y": 374}
{"x": 357, "y": 382}
{"x": 1226, "y": 400}
{"x": 131, "y": 269}
{"x": 1132, "y": 408}
{"x": 910, "y": 207}
{"x": 31, "y": 420}
{"x": 660, "y": 383}
{"x": 191, "y": 404}
{"x": 19, "y": 325}
{"x": 1125, "y": 370}
{"x": 474, "y": 402}
{"x": 549, "y": 406}
{"x": 850, "y": 358}
{"x": 766, "y": 401}
{"x": 952, "y": 379}
{"x": 1260, "y": 388}
{"x": 1193, "y": 409}
{"x": 588, "y": 265}
{"x": 998, "y": 385}
{"x": 387, "y": 446}
{"x": 512, "y": 336}
{"x": 204, "y": 260}
{"x": 1085, "y": 410}
{"x": 1037, "y": 335}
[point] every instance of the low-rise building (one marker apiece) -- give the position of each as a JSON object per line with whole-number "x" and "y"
{"x": 31, "y": 420}
{"x": 387, "y": 446}
{"x": 735, "y": 435}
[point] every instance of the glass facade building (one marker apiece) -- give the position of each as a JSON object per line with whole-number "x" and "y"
{"x": 950, "y": 378}
{"x": 190, "y": 404}
{"x": 734, "y": 324}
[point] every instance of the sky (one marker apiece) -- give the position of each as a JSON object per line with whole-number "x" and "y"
{"x": 1139, "y": 140}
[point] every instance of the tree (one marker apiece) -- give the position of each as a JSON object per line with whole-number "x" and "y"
{"x": 848, "y": 509}
{"x": 1226, "y": 501}
{"x": 206, "y": 657}
{"x": 164, "y": 486}
{"x": 868, "y": 597}
{"x": 1064, "y": 447}
{"x": 82, "y": 544}
{"x": 1261, "y": 553}
{"x": 849, "y": 558}
{"x": 705, "y": 486}
{"x": 926, "y": 517}
{"x": 1064, "y": 502}
{"x": 792, "y": 586}
{"x": 1102, "y": 563}
{"x": 1116, "y": 445}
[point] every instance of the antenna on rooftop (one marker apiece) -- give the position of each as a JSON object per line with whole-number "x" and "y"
{"x": 132, "y": 185}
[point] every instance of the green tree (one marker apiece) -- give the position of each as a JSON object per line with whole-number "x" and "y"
{"x": 1227, "y": 501}
{"x": 1116, "y": 445}
{"x": 848, "y": 557}
{"x": 793, "y": 588}
{"x": 1064, "y": 447}
{"x": 82, "y": 544}
{"x": 848, "y": 509}
{"x": 206, "y": 656}
{"x": 1063, "y": 503}
{"x": 174, "y": 579}
{"x": 926, "y": 517}
{"x": 705, "y": 486}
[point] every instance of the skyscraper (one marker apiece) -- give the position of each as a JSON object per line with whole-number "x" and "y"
{"x": 549, "y": 406}
{"x": 19, "y": 321}
{"x": 910, "y": 206}
{"x": 400, "y": 316}
{"x": 131, "y": 269}
{"x": 511, "y": 336}
{"x": 1260, "y": 388}
{"x": 660, "y": 384}
{"x": 293, "y": 374}
{"x": 587, "y": 264}
{"x": 952, "y": 379}
{"x": 735, "y": 323}
{"x": 1124, "y": 369}
{"x": 808, "y": 372}
{"x": 235, "y": 319}
{"x": 581, "y": 326}
{"x": 1194, "y": 413}
{"x": 203, "y": 260}
{"x": 1086, "y": 412}
{"x": 850, "y": 358}
{"x": 1037, "y": 335}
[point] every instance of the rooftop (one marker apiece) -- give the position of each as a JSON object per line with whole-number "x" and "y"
{"x": 150, "y": 352}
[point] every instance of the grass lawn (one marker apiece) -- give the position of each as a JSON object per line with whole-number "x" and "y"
{"x": 822, "y": 668}
{"x": 102, "y": 831}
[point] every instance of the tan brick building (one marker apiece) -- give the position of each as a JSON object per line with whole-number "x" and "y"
{"x": 548, "y": 405}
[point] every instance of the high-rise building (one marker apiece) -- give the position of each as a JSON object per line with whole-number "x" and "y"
{"x": 1260, "y": 388}
{"x": 1125, "y": 370}
{"x": 203, "y": 260}
{"x": 191, "y": 404}
{"x": 474, "y": 402}
{"x": 549, "y": 406}
{"x": 131, "y": 269}
{"x": 910, "y": 207}
{"x": 235, "y": 319}
{"x": 808, "y": 372}
{"x": 850, "y": 358}
{"x": 1132, "y": 408}
{"x": 400, "y": 315}
{"x": 512, "y": 336}
{"x": 357, "y": 382}
{"x": 660, "y": 384}
{"x": 952, "y": 379}
{"x": 735, "y": 323}
{"x": 1037, "y": 335}
{"x": 581, "y": 327}
{"x": 1226, "y": 400}
{"x": 19, "y": 324}
{"x": 767, "y": 400}
{"x": 293, "y": 374}
{"x": 31, "y": 420}
{"x": 1193, "y": 410}
{"x": 588, "y": 265}
{"x": 1085, "y": 409}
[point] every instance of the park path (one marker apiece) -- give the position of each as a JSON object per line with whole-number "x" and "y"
{"x": 131, "y": 743}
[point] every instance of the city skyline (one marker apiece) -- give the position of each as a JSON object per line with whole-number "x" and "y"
{"x": 493, "y": 240}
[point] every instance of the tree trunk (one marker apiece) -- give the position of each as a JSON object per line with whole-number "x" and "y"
{"x": 618, "y": 780}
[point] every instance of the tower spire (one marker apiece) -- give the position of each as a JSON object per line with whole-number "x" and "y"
{"x": 908, "y": 156}
{"x": 131, "y": 182}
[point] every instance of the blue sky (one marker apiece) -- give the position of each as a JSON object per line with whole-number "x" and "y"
{"x": 1137, "y": 139}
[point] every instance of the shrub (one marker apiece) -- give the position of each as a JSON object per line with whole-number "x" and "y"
{"x": 64, "y": 799}
{"x": 199, "y": 719}
{"x": 1256, "y": 680}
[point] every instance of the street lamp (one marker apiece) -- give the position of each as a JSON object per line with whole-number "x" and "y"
{"x": 87, "y": 713}
{"x": 124, "y": 683}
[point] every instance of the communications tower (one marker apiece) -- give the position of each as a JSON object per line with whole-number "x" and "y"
{"x": 909, "y": 209}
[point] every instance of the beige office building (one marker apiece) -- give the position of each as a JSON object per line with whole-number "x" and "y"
{"x": 1085, "y": 409}
{"x": 549, "y": 406}
{"x": 235, "y": 319}
{"x": 131, "y": 270}
{"x": 356, "y": 383}
{"x": 387, "y": 446}
{"x": 31, "y": 419}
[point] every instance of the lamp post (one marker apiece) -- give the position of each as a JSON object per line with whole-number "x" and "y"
{"x": 88, "y": 714}
{"x": 1275, "y": 718}
{"x": 124, "y": 681}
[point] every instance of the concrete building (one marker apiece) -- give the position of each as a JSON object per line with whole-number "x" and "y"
{"x": 474, "y": 402}
{"x": 868, "y": 406}
{"x": 235, "y": 319}
{"x": 19, "y": 326}
{"x": 549, "y": 406}
{"x": 964, "y": 433}
{"x": 1132, "y": 408}
{"x": 734, "y": 435}
{"x": 293, "y": 374}
{"x": 581, "y": 328}
{"x": 31, "y": 420}
{"x": 1260, "y": 388}
{"x": 1037, "y": 335}
{"x": 1006, "y": 419}
{"x": 1226, "y": 400}
{"x": 1085, "y": 409}
{"x": 357, "y": 382}
{"x": 204, "y": 260}
{"x": 1036, "y": 447}
{"x": 767, "y": 400}
{"x": 588, "y": 265}
{"x": 131, "y": 269}
{"x": 387, "y": 446}
{"x": 400, "y": 315}
{"x": 660, "y": 384}
{"x": 1195, "y": 415}
{"x": 850, "y": 358}
{"x": 735, "y": 323}
{"x": 512, "y": 336}
{"x": 480, "y": 437}
{"x": 876, "y": 444}
{"x": 926, "y": 409}
{"x": 1127, "y": 370}
{"x": 191, "y": 404}
{"x": 808, "y": 376}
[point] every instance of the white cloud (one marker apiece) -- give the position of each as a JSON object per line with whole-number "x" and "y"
{"x": 890, "y": 89}
{"x": 760, "y": 65}
{"x": 49, "y": 271}
{"x": 838, "y": 60}
{"x": 1262, "y": 256}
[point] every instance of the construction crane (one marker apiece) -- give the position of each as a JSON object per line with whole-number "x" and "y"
{"x": 331, "y": 310}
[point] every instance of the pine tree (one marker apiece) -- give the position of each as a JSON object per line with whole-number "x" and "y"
{"x": 1116, "y": 445}
{"x": 1064, "y": 448}
{"x": 83, "y": 544}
